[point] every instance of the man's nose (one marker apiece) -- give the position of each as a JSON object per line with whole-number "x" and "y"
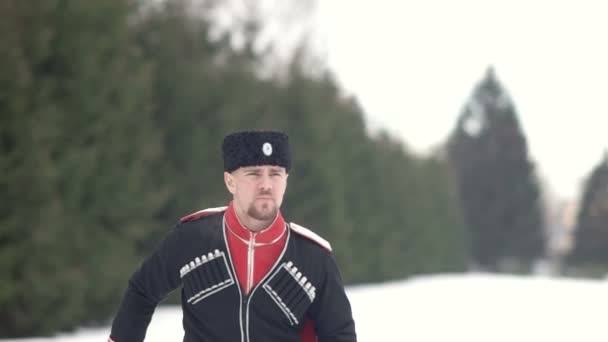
{"x": 265, "y": 183}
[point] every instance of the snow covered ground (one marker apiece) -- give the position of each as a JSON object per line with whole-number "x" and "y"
{"x": 471, "y": 308}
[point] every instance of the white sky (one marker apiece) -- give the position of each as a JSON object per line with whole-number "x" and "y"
{"x": 463, "y": 307}
{"x": 413, "y": 64}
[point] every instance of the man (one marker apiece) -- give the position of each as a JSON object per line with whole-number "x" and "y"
{"x": 245, "y": 273}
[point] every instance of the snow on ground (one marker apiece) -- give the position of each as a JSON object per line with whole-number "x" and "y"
{"x": 471, "y": 308}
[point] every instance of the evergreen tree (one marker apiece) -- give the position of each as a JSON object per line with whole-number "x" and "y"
{"x": 498, "y": 191}
{"x": 107, "y": 139}
{"x": 411, "y": 214}
{"x": 186, "y": 83}
{"x": 591, "y": 237}
{"x": 362, "y": 192}
{"x": 76, "y": 148}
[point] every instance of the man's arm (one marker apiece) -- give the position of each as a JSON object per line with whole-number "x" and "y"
{"x": 150, "y": 284}
{"x": 331, "y": 311}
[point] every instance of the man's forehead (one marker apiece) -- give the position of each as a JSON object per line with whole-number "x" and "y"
{"x": 261, "y": 167}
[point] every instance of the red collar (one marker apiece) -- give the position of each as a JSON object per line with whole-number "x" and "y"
{"x": 268, "y": 235}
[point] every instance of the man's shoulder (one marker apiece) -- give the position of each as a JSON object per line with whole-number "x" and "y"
{"x": 205, "y": 224}
{"x": 310, "y": 236}
{"x": 201, "y": 214}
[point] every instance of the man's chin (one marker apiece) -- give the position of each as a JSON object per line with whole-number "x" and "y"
{"x": 264, "y": 214}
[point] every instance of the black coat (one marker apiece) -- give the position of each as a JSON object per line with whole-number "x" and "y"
{"x": 303, "y": 283}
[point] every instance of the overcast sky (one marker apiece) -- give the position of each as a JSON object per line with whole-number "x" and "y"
{"x": 413, "y": 64}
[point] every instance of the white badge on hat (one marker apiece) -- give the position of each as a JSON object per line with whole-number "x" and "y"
{"x": 267, "y": 149}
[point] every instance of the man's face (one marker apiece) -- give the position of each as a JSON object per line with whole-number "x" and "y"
{"x": 257, "y": 190}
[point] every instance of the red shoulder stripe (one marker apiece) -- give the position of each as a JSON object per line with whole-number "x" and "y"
{"x": 202, "y": 213}
{"x": 309, "y": 234}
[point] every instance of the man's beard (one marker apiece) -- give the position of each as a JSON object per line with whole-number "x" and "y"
{"x": 266, "y": 215}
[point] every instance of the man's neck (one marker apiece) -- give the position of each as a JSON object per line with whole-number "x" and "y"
{"x": 267, "y": 232}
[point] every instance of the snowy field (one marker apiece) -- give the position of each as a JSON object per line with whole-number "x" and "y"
{"x": 471, "y": 308}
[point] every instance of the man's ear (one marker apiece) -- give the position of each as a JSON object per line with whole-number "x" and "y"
{"x": 229, "y": 181}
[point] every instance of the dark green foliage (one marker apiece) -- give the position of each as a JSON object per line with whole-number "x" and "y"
{"x": 111, "y": 121}
{"x": 403, "y": 210}
{"x": 498, "y": 191}
{"x": 385, "y": 211}
{"x": 591, "y": 237}
{"x": 76, "y": 148}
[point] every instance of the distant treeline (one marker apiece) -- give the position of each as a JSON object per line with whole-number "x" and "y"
{"x": 111, "y": 119}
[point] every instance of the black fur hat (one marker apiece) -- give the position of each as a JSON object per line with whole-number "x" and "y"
{"x": 250, "y": 148}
